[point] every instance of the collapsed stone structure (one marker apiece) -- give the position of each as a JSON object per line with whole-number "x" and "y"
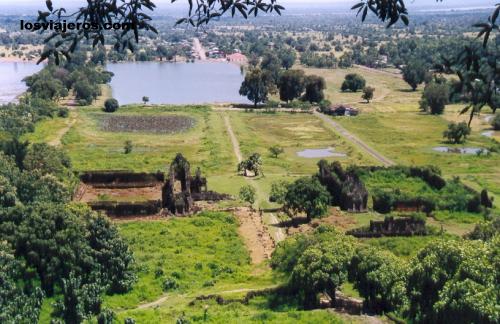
{"x": 390, "y": 226}
{"x": 181, "y": 190}
{"x": 346, "y": 188}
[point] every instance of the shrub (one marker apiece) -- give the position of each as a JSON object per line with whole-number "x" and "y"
{"x": 111, "y": 105}
{"x": 128, "y": 147}
{"x": 382, "y": 201}
{"x": 324, "y": 105}
{"x": 63, "y": 112}
{"x": 170, "y": 284}
{"x": 247, "y": 194}
{"x": 276, "y": 150}
{"x": 435, "y": 97}
{"x": 457, "y": 133}
{"x": 496, "y": 122}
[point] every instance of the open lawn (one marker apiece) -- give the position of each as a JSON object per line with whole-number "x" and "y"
{"x": 205, "y": 146}
{"x": 201, "y": 255}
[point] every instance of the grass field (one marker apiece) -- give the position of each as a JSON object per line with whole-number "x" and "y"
{"x": 203, "y": 255}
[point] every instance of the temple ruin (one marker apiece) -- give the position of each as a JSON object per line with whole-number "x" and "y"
{"x": 346, "y": 188}
{"x": 174, "y": 194}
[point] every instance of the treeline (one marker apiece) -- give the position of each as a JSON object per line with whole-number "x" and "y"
{"x": 272, "y": 74}
{"x": 52, "y": 247}
{"x": 79, "y": 75}
{"x": 448, "y": 281}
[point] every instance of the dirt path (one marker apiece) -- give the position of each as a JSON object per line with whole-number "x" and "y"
{"x": 154, "y": 304}
{"x": 234, "y": 140}
{"x": 279, "y": 235}
{"x": 199, "y": 49}
{"x": 57, "y": 140}
{"x": 355, "y": 140}
{"x": 255, "y": 234}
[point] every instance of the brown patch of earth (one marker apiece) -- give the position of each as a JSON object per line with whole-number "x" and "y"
{"x": 255, "y": 234}
{"x": 88, "y": 194}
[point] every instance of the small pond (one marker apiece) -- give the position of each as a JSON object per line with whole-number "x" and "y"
{"x": 460, "y": 150}
{"x": 319, "y": 153}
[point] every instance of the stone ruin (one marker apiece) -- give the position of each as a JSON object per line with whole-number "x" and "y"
{"x": 390, "y": 226}
{"x": 174, "y": 194}
{"x": 181, "y": 190}
{"x": 346, "y": 188}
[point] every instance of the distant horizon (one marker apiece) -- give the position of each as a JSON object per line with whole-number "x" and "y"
{"x": 165, "y": 7}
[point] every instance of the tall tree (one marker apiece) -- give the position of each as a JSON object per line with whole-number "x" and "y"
{"x": 257, "y": 86}
{"x": 314, "y": 86}
{"x": 307, "y": 195}
{"x": 291, "y": 84}
{"x": 288, "y": 57}
{"x": 414, "y": 73}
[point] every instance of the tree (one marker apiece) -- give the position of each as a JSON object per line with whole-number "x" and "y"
{"x": 145, "y": 99}
{"x": 271, "y": 64}
{"x": 111, "y": 105}
{"x": 84, "y": 91}
{"x": 291, "y": 84}
{"x": 257, "y": 86}
{"x": 17, "y": 304}
{"x": 314, "y": 86}
{"x": 353, "y": 82}
{"x": 276, "y": 150}
{"x": 414, "y": 73}
{"x": 278, "y": 192}
{"x": 457, "y": 133}
{"x": 247, "y": 194}
{"x": 368, "y": 94}
{"x": 436, "y": 97}
{"x": 253, "y": 163}
{"x": 429, "y": 272}
{"x": 322, "y": 268}
{"x": 309, "y": 196}
{"x": 288, "y": 58}
{"x": 380, "y": 277}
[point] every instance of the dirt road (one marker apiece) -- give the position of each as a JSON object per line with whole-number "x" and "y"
{"x": 355, "y": 140}
{"x": 199, "y": 49}
{"x": 279, "y": 235}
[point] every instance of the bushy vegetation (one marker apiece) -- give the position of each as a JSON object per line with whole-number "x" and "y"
{"x": 424, "y": 290}
{"x": 63, "y": 250}
{"x": 421, "y": 188}
{"x": 55, "y": 81}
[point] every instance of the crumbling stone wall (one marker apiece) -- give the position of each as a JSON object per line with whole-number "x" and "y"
{"x": 390, "y": 226}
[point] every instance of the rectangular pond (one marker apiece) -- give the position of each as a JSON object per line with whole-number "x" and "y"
{"x": 176, "y": 83}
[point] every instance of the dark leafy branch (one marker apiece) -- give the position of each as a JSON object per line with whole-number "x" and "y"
{"x": 96, "y": 13}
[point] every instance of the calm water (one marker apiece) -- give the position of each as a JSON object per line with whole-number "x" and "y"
{"x": 176, "y": 83}
{"x": 319, "y": 153}
{"x": 461, "y": 150}
{"x": 11, "y": 75}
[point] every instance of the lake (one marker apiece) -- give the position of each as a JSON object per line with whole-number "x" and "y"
{"x": 176, "y": 83}
{"x": 11, "y": 76}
